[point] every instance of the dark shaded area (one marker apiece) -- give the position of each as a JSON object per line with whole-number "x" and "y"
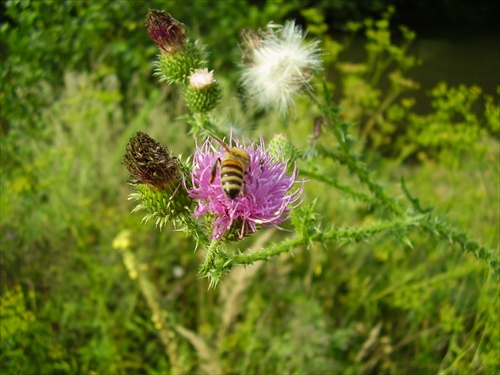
{"x": 442, "y": 18}
{"x": 449, "y": 18}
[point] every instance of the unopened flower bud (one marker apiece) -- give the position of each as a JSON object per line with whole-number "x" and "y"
{"x": 203, "y": 92}
{"x": 282, "y": 149}
{"x": 168, "y": 33}
{"x": 178, "y": 56}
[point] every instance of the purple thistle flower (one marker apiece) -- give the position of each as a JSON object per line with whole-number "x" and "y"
{"x": 265, "y": 200}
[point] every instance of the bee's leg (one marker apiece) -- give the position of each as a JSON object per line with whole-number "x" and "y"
{"x": 244, "y": 185}
{"x": 248, "y": 173}
{"x": 214, "y": 170}
{"x": 243, "y": 188}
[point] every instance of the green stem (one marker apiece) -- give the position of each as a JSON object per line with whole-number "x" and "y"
{"x": 210, "y": 255}
{"x": 442, "y": 229}
{"x": 341, "y": 131}
{"x": 342, "y": 235}
{"x": 211, "y": 267}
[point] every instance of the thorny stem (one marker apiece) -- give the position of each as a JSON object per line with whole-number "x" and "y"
{"x": 210, "y": 255}
{"x": 434, "y": 225}
{"x": 213, "y": 257}
{"x": 354, "y": 166}
{"x": 341, "y": 132}
{"x": 194, "y": 229}
{"x": 342, "y": 235}
{"x": 441, "y": 228}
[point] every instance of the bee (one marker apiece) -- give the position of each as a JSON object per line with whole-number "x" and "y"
{"x": 233, "y": 167}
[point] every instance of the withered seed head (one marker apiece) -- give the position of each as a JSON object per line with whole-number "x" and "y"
{"x": 250, "y": 40}
{"x": 149, "y": 162}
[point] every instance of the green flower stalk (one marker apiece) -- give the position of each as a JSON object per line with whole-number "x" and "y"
{"x": 203, "y": 92}
{"x": 158, "y": 179}
{"x": 178, "y": 55}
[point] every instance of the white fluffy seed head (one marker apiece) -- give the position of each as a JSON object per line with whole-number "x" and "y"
{"x": 279, "y": 66}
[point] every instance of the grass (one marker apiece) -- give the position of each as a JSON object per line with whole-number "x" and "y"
{"x": 70, "y": 304}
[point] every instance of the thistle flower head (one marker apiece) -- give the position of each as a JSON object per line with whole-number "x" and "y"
{"x": 203, "y": 92}
{"x": 278, "y": 65}
{"x": 168, "y": 33}
{"x": 157, "y": 179}
{"x": 201, "y": 79}
{"x": 265, "y": 200}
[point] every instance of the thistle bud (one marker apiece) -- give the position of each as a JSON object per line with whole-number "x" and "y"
{"x": 157, "y": 179}
{"x": 178, "y": 55}
{"x": 282, "y": 149}
{"x": 203, "y": 92}
{"x": 168, "y": 33}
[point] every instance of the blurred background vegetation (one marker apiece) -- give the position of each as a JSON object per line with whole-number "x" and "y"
{"x": 76, "y": 84}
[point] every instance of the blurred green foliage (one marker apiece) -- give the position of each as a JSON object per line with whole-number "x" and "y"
{"x": 376, "y": 95}
{"x": 76, "y": 85}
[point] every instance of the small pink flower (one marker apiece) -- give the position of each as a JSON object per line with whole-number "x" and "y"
{"x": 201, "y": 79}
{"x": 265, "y": 200}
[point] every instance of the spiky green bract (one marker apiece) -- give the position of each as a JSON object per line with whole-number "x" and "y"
{"x": 177, "y": 67}
{"x": 169, "y": 205}
{"x": 158, "y": 180}
{"x": 203, "y": 92}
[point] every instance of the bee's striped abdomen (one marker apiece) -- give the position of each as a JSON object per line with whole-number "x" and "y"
{"x": 231, "y": 177}
{"x": 233, "y": 167}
